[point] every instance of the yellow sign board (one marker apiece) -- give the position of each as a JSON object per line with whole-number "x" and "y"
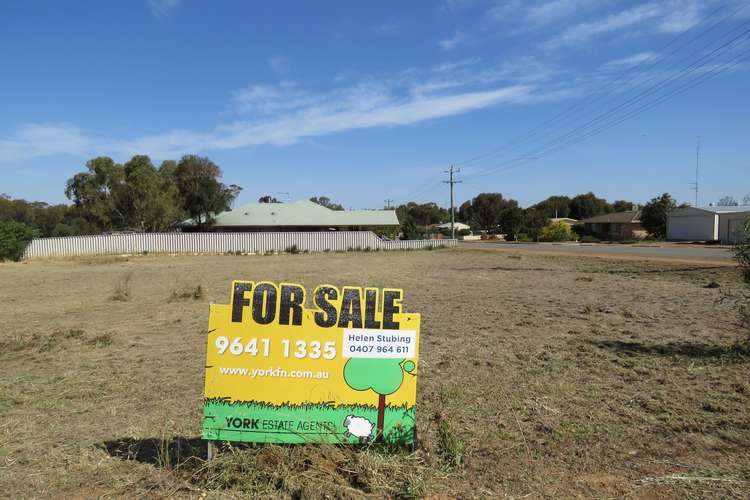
{"x": 343, "y": 370}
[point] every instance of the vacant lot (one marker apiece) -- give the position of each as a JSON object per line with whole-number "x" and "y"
{"x": 540, "y": 376}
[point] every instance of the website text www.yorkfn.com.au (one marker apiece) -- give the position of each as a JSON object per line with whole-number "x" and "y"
{"x": 274, "y": 372}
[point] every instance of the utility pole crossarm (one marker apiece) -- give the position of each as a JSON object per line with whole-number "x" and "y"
{"x": 450, "y": 181}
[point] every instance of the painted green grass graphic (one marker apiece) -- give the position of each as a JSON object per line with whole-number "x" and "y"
{"x": 306, "y": 423}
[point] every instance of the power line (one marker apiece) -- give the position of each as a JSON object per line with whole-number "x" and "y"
{"x": 679, "y": 91}
{"x": 610, "y": 118}
{"x": 606, "y": 116}
{"x": 639, "y": 97}
{"x": 430, "y": 187}
{"x": 614, "y": 82}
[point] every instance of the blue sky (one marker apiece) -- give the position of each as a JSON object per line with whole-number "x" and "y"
{"x": 363, "y": 101}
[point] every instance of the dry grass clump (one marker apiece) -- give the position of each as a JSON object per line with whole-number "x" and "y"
{"x": 102, "y": 260}
{"x": 189, "y": 292}
{"x": 316, "y": 471}
{"x": 57, "y": 340}
{"x": 121, "y": 291}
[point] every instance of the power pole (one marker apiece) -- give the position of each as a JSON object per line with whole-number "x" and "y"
{"x": 388, "y": 203}
{"x": 697, "y": 164}
{"x": 450, "y": 181}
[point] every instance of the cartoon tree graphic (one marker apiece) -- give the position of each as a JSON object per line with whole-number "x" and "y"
{"x": 382, "y": 376}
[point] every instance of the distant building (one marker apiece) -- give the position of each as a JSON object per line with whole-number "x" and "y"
{"x": 302, "y": 215}
{"x": 616, "y": 226}
{"x": 458, "y": 226}
{"x": 443, "y": 230}
{"x": 706, "y": 223}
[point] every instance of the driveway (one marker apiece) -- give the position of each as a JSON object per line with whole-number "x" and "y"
{"x": 666, "y": 251}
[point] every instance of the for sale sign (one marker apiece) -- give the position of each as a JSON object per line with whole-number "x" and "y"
{"x": 343, "y": 369}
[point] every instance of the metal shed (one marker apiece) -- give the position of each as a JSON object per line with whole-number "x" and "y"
{"x": 706, "y": 223}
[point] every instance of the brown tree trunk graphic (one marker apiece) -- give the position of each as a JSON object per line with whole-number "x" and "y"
{"x": 381, "y": 417}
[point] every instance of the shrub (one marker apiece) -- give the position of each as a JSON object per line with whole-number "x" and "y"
{"x": 556, "y": 231}
{"x": 294, "y": 249}
{"x": 14, "y": 236}
{"x": 742, "y": 249}
{"x": 449, "y": 447}
{"x": 590, "y": 239}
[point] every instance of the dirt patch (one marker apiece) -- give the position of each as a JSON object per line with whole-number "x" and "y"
{"x": 543, "y": 376}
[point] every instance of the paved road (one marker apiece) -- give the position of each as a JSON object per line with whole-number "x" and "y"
{"x": 666, "y": 252}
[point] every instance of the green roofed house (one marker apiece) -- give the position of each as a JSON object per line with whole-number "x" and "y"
{"x": 302, "y": 215}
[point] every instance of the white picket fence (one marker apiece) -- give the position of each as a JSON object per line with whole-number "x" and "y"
{"x": 213, "y": 243}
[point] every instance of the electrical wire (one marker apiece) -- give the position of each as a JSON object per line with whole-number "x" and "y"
{"x": 633, "y": 101}
{"x": 645, "y": 65}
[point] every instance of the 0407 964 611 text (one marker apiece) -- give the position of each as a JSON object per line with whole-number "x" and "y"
{"x": 299, "y": 349}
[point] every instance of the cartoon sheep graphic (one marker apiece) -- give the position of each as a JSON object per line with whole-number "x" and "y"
{"x": 358, "y": 427}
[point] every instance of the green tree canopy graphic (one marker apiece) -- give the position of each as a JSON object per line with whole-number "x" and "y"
{"x": 382, "y": 376}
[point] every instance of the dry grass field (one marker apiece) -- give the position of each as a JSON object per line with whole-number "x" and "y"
{"x": 541, "y": 376}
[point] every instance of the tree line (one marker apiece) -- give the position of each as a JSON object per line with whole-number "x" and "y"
{"x": 493, "y": 213}
{"x": 135, "y": 196}
{"x": 138, "y": 196}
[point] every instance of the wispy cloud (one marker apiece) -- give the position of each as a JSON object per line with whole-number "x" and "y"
{"x": 287, "y": 113}
{"x": 527, "y": 14}
{"x": 686, "y": 16}
{"x": 362, "y": 108}
{"x": 452, "y": 42}
{"x": 163, "y": 8}
{"x": 264, "y": 99}
{"x": 44, "y": 139}
{"x": 558, "y": 10}
{"x": 453, "y": 65}
{"x": 630, "y": 61}
{"x": 669, "y": 16}
{"x": 582, "y": 32}
{"x": 450, "y": 6}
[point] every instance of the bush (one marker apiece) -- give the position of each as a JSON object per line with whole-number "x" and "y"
{"x": 14, "y": 236}
{"x": 650, "y": 238}
{"x": 590, "y": 239}
{"x": 742, "y": 249}
{"x": 556, "y": 231}
{"x": 654, "y": 215}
